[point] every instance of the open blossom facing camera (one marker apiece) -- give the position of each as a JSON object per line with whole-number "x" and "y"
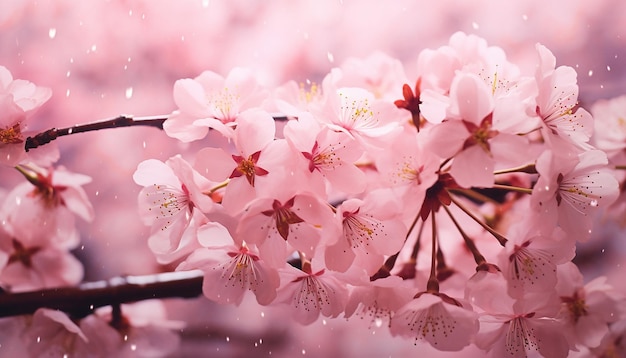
{"x": 373, "y": 194}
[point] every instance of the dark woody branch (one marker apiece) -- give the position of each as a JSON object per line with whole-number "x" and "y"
{"x": 82, "y": 300}
{"x": 120, "y": 121}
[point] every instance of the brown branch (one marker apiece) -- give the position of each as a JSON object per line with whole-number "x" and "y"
{"x": 123, "y": 120}
{"x": 117, "y": 122}
{"x": 83, "y": 300}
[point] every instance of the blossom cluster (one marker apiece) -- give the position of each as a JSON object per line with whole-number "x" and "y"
{"x": 38, "y": 231}
{"x": 447, "y": 204}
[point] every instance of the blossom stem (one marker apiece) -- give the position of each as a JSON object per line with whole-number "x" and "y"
{"x": 385, "y": 269}
{"x": 478, "y": 257}
{"x": 473, "y": 194}
{"x": 83, "y": 300}
{"x": 528, "y": 168}
{"x": 501, "y": 239}
{"x": 513, "y": 188}
{"x": 217, "y": 187}
{"x": 620, "y": 167}
{"x": 433, "y": 283}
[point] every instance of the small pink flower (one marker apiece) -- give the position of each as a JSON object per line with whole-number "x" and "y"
{"x": 258, "y": 159}
{"x": 281, "y": 225}
{"x": 174, "y": 200}
{"x": 18, "y": 99}
{"x": 311, "y": 293}
{"x": 529, "y": 260}
{"x": 369, "y": 232}
{"x": 329, "y": 155}
{"x": 212, "y": 101}
{"x": 31, "y": 267}
{"x": 379, "y": 300}
{"x": 518, "y": 328}
{"x": 557, "y": 102}
{"x": 358, "y": 113}
{"x": 438, "y": 319}
{"x": 53, "y": 334}
{"x": 43, "y": 211}
{"x": 230, "y": 269}
{"x": 588, "y": 309}
{"x": 571, "y": 188}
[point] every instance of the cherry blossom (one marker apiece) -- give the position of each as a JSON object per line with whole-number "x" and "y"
{"x": 18, "y": 99}
{"x": 329, "y": 155}
{"x": 480, "y": 135}
{"x": 380, "y": 300}
{"x": 172, "y": 204}
{"x": 230, "y": 269}
{"x": 43, "y": 211}
{"x": 257, "y": 160}
{"x": 357, "y": 112}
{"x": 588, "y": 308}
{"x": 573, "y": 187}
{"x": 281, "y": 225}
{"x": 142, "y": 330}
{"x": 309, "y": 293}
{"x": 518, "y": 328}
{"x": 212, "y": 101}
{"x": 529, "y": 259}
{"x": 370, "y": 230}
{"x": 438, "y": 319}
{"x": 53, "y": 333}
{"x": 557, "y": 102}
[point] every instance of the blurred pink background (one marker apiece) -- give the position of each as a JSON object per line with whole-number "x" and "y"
{"x": 105, "y": 58}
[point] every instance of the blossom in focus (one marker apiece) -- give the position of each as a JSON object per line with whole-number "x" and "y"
{"x": 230, "y": 269}
{"x": 571, "y": 188}
{"x": 173, "y": 201}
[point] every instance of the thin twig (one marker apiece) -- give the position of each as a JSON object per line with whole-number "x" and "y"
{"x": 117, "y": 122}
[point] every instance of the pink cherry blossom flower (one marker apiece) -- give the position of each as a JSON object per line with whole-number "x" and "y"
{"x": 379, "y": 300}
{"x": 309, "y": 293}
{"x": 281, "y": 225}
{"x": 358, "y": 113}
{"x": 43, "y": 211}
{"x": 25, "y": 94}
{"x": 479, "y": 135}
{"x": 174, "y": 196}
{"x": 378, "y": 73}
{"x": 571, "y": 188}
{"x": 438, "y": 319}
{"x": 587, "y": 308}
{"x": 610, "y": 125}
{"x": 212, "y": 101}
{"x": 329, "y": 155}
{"x": 529, "y": 260}
{"x": 18, "y": 99}
{"x": 143, "y": 329}
{"x": 557, "y": 102}
{"x": 408, "y": 166}
{"x": 518, "y": 328}
{"x": 52, "y": 333}
{"x": 370, "y": 230}
{"x": 257, "y": 160}
{"x": 231, "y": 269}
{"x": 27, "y": 267}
